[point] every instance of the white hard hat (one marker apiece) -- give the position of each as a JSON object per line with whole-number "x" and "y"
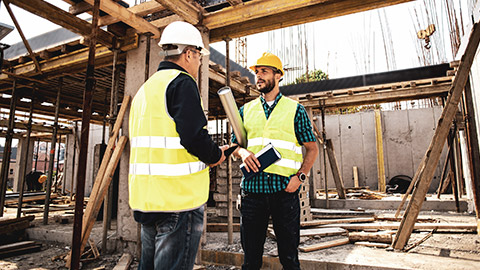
{"x": 182, "y": 33}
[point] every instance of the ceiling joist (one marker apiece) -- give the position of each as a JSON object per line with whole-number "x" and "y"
{"x": 187, "y": 11}
{"x": 127, "y": 17}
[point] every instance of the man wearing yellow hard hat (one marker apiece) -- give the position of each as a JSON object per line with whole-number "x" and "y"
{"x": 274, "y": 119}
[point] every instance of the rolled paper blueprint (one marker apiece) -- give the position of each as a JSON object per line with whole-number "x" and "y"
{"x": 231, "y": 109}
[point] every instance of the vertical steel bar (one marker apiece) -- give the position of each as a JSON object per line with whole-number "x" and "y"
{"x": 51, "y": 162}
{"x": 73, "y": 159}
{"x": 229, "y": 161}
{"x": 82, "y": 163}
{"x": 324, "y": 137}
{"x": 22, "y": 179}
{"x": 36, "y": 155}
{"x": 7, "y": 149}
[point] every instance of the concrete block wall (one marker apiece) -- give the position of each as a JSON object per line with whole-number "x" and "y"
{"x": 406, "y": 137}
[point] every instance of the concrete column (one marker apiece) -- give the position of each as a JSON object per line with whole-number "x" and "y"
{"x": 126, "y": 225}
{"x": 24, "y": 158}
{"x": 71, "y": 165}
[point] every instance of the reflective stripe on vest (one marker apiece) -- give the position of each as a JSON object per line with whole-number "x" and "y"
{"x": 163, "y": 176}
{"x": 278, "y": 130}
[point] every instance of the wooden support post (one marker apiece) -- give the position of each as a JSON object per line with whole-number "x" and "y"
{"x": 355, "y": 176}
{"x": 444, "y": 173}
{"x": 337, "y": 177}
{"x": 229, "y": 191}
{"x": 76, "y": 251}
{"x": 48, "y": 189}
{"x": 7, "y": 149}
{"x": 24, "y": 170}
{"x": 379, "y": 144}
{"x": 434, "y": 151}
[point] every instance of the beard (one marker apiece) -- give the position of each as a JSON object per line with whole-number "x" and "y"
{"x": 268, "y": 86}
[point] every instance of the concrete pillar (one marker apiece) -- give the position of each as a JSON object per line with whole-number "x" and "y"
{"x": 126, "y": 225}
{"x": 24, "y": 158}
{"x": 71, "y": 165}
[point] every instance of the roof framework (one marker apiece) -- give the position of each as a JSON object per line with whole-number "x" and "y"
{"x": 124, "y": 25}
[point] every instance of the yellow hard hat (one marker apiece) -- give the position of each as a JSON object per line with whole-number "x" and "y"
{"x": 42, "y": 178}
{"x": 269, "y": 60}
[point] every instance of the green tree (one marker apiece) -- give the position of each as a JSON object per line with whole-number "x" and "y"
{"x": 313, "y": 76}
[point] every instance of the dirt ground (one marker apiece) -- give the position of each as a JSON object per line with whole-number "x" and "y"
{"x": 459, "y": 249}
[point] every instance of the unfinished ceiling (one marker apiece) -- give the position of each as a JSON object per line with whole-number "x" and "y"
{"x": 39, "y": 74}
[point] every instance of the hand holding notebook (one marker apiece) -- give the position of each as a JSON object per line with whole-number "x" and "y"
{"x": 267, "y": 156}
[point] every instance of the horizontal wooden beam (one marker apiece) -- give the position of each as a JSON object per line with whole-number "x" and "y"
{"x": 35, "y": 127}
{"x": 378, "y": 97}
{"x": 265, "y": 15}
{"x": 127, "y": 17}
{"x": 64, "y": 19}
{"x": 187, "y": 11}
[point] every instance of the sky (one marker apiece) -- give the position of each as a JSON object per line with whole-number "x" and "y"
{"x": 342, "y": 46}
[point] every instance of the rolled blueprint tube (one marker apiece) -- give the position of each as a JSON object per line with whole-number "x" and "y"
{"x": 230, "y": 107}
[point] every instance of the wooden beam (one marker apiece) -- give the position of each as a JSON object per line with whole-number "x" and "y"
{"x": 141, "y": 10}
{"x": 380, "y": 159}
{"x": 264, "y": 15}
{"x": 378, "y": 96}
{"x": 434, "y": 151}
{"x": 234, "y": 2}
{"x": 128, "y": 17}
{"x": 337, "y": 177}
{"x": 328, "y": 244}
{"x": 189, "y": 12}
{"x": 64, "y": 19}
{"x": 79, "y": 8}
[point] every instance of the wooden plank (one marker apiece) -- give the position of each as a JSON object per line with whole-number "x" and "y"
{"x": 372, "y": 244}
{"x": 63, "y": 19}
{"x": 337, "y": 177}
{"x": 13, "y": 246}
{"x": 6, "y": 221}
{"x": 432, "y": 156}
{"x": 395, "y": 226}
{"x": 265, "y": 15}
{"x": 317, "y": 222}
{"x": 322, "y": 232}
{"x": 126, "y": 16}
{"x": 328, "y": 244}
{"x": 28, "y": 248}
{"x": 189, "y": 12}
{"x": 380, "y": 157}
{"x": 381, "y": 237}
{"x": 124, "y": 262}
{"x": 355, "y": 176}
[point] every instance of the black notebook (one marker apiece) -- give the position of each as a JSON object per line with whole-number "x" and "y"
{"x": 267, "y": 156}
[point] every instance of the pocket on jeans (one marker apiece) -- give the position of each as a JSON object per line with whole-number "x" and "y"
{"x": 168, "y": 223}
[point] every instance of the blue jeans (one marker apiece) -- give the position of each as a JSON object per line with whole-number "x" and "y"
{"x": 172, "y": 241}
{"x": 256, "y": 209}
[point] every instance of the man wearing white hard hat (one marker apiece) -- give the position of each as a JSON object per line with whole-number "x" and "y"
{"x": 170, "y": 154}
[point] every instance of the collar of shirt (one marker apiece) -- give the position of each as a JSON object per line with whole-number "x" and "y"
{"x": 269, "y": 109}
{"x": 169, "y": 65}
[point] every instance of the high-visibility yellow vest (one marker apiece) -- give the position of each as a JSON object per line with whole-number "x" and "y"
{"x": 278, "y": 130}
{"x": 163, "y": 176}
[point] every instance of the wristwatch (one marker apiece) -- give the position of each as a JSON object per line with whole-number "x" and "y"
{"x": 301, "y": 176}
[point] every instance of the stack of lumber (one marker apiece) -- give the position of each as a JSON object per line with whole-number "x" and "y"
{"x": 18, "y": 248}
{"x": 12, "y": 234}
{"x": 363, "y": 228}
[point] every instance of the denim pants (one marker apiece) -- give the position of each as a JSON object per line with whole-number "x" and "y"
{"x": 284, "y": 209}
{"x": 172, "y": 242}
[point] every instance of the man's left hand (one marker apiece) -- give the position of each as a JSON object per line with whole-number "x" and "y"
{"x": 293, "y": 184}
